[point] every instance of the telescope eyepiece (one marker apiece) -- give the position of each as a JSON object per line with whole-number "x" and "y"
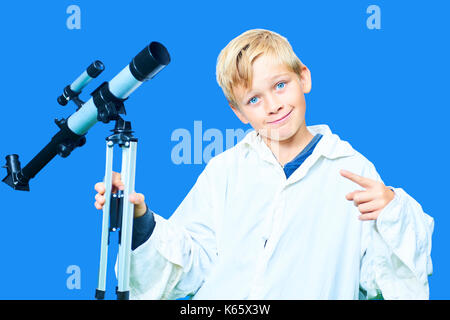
{"x": 95, "y": 69}
{"x": 147, "y": 63}
{"x": 15, "y": 177}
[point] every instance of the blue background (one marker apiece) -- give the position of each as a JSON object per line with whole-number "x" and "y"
{"x": 385, "y": 91}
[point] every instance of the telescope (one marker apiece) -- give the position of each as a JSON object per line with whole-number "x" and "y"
{"x": 105, "y": 105}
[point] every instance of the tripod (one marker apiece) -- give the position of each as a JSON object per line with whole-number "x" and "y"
{"x": 118, "y": 211}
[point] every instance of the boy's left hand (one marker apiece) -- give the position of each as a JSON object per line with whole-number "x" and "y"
{"x": 371, "y": 201}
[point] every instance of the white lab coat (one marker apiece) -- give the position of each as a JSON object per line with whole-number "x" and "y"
{"x": 244, "y": 231}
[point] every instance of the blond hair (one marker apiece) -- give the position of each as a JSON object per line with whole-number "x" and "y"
{"x": 234, "y": 64}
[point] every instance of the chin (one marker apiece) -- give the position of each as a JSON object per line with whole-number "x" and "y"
{"x": 277, "y": 135}
{"x": 286, "y": 132}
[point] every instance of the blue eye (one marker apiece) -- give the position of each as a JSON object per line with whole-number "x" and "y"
{"x": 281, "y": 85}
{"x": 253, "y": 100}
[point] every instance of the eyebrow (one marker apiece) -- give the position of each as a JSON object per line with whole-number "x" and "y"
{"x": 250, "y": 94}
{"x": 279, "y": 75}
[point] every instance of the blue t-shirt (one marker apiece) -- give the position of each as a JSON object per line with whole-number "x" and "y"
{"x": 144, "y": 225}
{"x": 291, "y": 166}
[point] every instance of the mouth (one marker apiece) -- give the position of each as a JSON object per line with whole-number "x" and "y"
{"x": 285, "y": 117}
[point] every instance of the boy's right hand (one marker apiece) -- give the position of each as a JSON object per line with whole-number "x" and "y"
{"x": 138, "y": 199}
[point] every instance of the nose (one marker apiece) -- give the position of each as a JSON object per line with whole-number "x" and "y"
{"x": 273, "y": 104}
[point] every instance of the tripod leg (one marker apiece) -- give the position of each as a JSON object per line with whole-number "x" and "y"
{"x": 128, "y": 176}
{"x": 101, "y": 286}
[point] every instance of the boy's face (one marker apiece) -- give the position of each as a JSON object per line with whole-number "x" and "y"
{"x": 275, "y": 104}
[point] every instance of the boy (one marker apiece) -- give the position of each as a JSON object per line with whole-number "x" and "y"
{"x": 278, "y": 216}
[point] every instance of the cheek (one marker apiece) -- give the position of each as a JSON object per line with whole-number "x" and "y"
{"x": 254, "y": 118}
{"x": 298, "y": 100}
{"x": 294, "y": 97}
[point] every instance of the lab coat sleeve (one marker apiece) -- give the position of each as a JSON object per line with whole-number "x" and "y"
{"x": 396, "y": 261}
{"x": 175, "y": 260}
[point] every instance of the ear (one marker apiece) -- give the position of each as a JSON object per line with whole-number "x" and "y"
{"x": 305, "y": 79}
{"x": 239, "y": 114}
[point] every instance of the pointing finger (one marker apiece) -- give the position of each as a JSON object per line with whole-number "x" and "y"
{"x": 363, "y": 182}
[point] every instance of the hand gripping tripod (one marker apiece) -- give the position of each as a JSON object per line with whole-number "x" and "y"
{"x": 117, "y": 210}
